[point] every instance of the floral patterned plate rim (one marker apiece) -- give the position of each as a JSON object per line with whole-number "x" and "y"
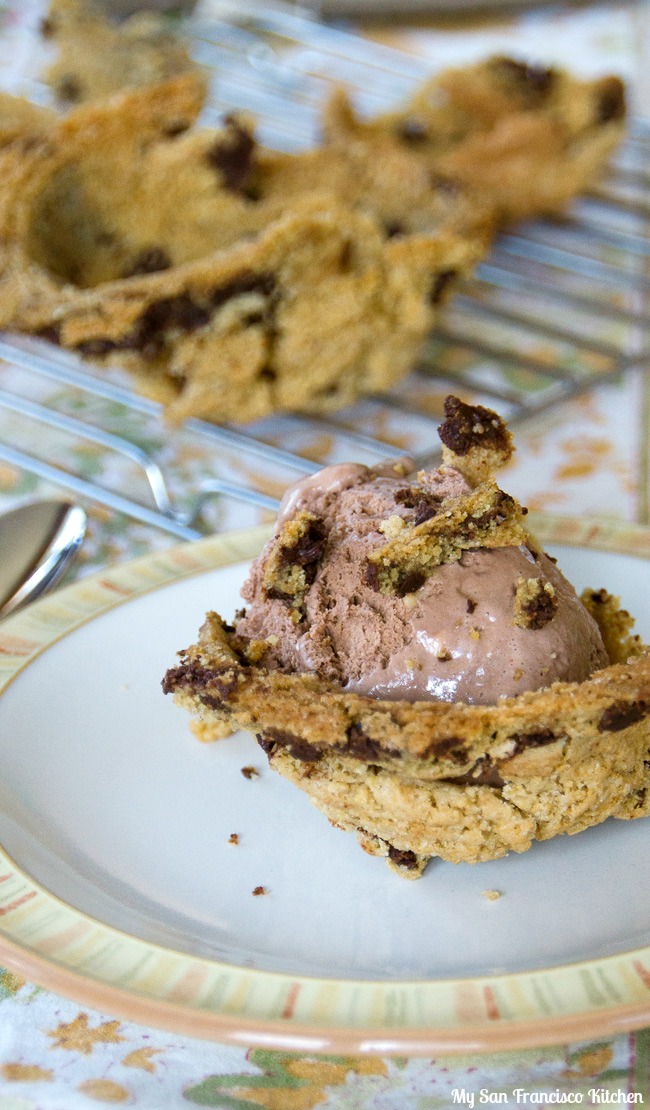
{"x": 79, "y": 955}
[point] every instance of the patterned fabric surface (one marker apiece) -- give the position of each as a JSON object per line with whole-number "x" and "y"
{"x": 590, "y": 457}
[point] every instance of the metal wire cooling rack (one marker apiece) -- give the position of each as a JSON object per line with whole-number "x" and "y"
{"x": 558, "y": 306}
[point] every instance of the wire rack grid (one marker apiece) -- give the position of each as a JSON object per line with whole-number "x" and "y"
{"x": 557, "y": 307}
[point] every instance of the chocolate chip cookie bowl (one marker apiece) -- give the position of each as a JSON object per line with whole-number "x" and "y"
{"x": 413, "y": 661}
{"x": 230, "y": 280}
{"x": 234, "y": 281}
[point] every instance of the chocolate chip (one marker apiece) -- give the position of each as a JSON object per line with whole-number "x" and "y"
{"x": 406, "y": 581}
{"x": 413, "y": 130}
{"x": 225, "y": 686}
{"x": 69, "y": 88}
{"x": 105, "y": 238}
{"x": 536, "y": 603}
{"x": 149, "y": 261}
{"x": 394, "y": 228}
{"x": 611, "y": 100}
{"x": 371, "y": 575}
{"x": 440, "y": 285}
{"x": 532, "y": 82}
{"x": 599, "y": 597}
{"x": 622, "y": 714}
{"x": 47, "y": 27}
{"x": 500, "y": 511}
{"x": 51, "y": 333}
{"x": 274, "y": 593}
{"x": 266, "y": 745}
{"x": 466, "y": 426}
{"x": 541, "y": 611}
{"x": 483, "y": 773}
{"x": 182, "y": 312}
{"x": 409, "y": 581}
{"x": 402, "y": 858}
{"x": 346, "y": 258}
{"x": 449, "y": 748}
{"x": 211, "y": 701}
{"x": 178, "y": 127}
{"x": 307, "y": 551}
{"x": 471, "y": 605}
{"x": 96, "y": 348}
{"x": 425, "y": 505}
{"x": 539, "y": 739}
{"x": 361, "y": 746}
{"x": 232, "y": 155}
{"x": 296, "y": 746}
{"x": 247, "y": 282}
{"x": 210, "y": 680}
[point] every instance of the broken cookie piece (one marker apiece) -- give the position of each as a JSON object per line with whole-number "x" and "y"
{"x": 536, "y": 602}
{"x": 615, "y": 625}
{"x": 293, "y": 561}
{"x": 484, "y": 517}
{"x": 475, "y": 440}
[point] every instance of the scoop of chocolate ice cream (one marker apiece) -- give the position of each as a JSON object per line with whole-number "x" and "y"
{"x": 496, "y": 621}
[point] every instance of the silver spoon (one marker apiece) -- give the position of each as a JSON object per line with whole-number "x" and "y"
{"x": 36, "y": 542}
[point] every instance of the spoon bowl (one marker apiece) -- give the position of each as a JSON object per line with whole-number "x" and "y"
{"x": 37, "y": 541}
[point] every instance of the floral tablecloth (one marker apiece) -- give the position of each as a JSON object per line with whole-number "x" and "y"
{"x": 591, "y": 457}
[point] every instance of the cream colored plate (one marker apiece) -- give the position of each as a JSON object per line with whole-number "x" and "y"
{"x": 118, "y": 886}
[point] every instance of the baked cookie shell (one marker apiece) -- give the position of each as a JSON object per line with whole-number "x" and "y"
{"x": 463, "y": 782}
{"x": 129, "y": 241}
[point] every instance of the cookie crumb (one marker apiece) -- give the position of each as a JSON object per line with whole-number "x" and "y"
{"x": 256, "y": 649}
{"x": 491, "y": 895}
{"x": 475, "y": 633}
{"x": 535, "y": 602}
{"x": 233, "y": 838}
{"x": 250, "y": 772}
{"x": 260, "y": 890}
{"x": 392, "y": 527}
